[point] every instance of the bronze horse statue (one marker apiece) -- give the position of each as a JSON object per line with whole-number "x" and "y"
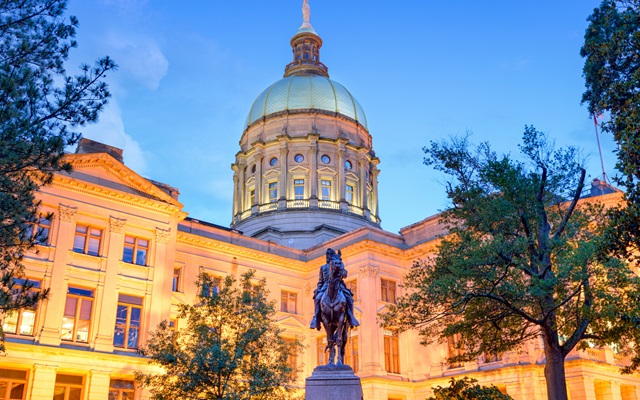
{"x": 333, "y": 308}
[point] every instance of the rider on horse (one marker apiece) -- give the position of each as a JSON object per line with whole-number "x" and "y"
{"x": 323, "y": 281}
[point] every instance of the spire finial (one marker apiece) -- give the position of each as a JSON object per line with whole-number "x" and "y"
{"x": 306, "y": 14}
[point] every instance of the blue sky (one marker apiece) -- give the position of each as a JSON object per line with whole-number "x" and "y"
{"x": 422, "y": 71}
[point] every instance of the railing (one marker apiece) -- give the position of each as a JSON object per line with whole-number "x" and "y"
{"x": 245, "y": 214}
{"x": 332, "y": 205}
{"x": 356, "y": 210}
{"x": 268, "y": 207}
{"x": 298, "y": 203}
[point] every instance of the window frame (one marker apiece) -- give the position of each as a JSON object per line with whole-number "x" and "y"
{"x": 120, "y": 391}
{"x": 352, "y": 351}
{"x": 13, "y": 382}
{"x": 86, "y": 241}
{"x": 387, "y": 292}
{"x": 36, "y": 230}
{"x": 80, "y": 299}
{"x": 298, "y": 184}
{"x": 176, "y": 283}
{"x": 292, "y": 359}
{"x": 287, "y": 302}
{"x": 272, "y": 191}
{"x": 135, "y": 248}
{"x": 352, "y": 285}
{"x": 325, "y": 184}
{"x": 19, "y": 314}
{"x": 69, "y": 385}
{"x": 349, "y": 195}
{"x": 126, "y": 327}
{"x": 453, "y": 350}
{"x": 392, "y": 354}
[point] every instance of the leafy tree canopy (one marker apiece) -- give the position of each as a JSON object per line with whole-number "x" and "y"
{"x": 521, "y": 261}
{"x": 41, "y": 108}
{"x": 467, "y": 389}
{"x": 612, "y": 76}
{"x": 229, "y": 348}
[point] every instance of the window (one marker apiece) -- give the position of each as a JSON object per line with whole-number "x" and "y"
{"x": 388, "y": 289}
{"x": 253, "y": 169}
{"x": 120, "y": 389}
{"x": 273, "y": 161}
{"x": 211, "y": 288}
{"x": 351, "y": 356}
{"x": 68, "y": 387}
{"x": 77, "y": 315}
{"x": 353, "y": 286}
{"x": 13, "y": 384}
{"x": 252, "y": 197}
{"x": 87, "y": 240}
{"x": 298, "y": 189}
{"x": 177, "y": 280}
{"x": 325, "y": 159}
{"x": 273, "y": 192}
{"x": 391, "y": 354}
{"x": 299, "y": 158}
{"x": 288, "y": 302}
{"x": 349, "y": 194}
{"x": 21, "y": 322}
{"x": 127, "y": 322}
{"x": 39, "y": 231}
{"x": 348, "y": 165}
{"x": 325, "y": 186}
{"x": 454, "y": 348}
{"x": 292, "y": 360}
{"x": 250, "y": 292}
{"x": 135, "y": 250}
{"x": 321, "y": 344}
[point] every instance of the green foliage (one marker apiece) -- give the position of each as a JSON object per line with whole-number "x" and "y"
{"x": 467, "y": 389}
{"x": 40, "y": 108}
{"x": 229, "y": 349}
{"x": 521, "y": 261}
{"x": 612, "y": 77}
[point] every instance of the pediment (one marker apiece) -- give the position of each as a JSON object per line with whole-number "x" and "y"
{"x": 299, "y": 169}
{"x": 100, "y": 170}
{"x": 271, "y": 173}
{"x": 326, "y": 171}
{"x": 352, "y": 177}
{"x": 292, "y": 321}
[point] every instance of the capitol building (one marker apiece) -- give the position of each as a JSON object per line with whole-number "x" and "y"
{"x": 122, "y": 253}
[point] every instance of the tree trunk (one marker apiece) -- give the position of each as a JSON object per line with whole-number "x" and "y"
{"x": 554, "y": 372}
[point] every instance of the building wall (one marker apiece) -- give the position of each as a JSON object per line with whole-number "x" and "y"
{"x": 104, "y": 194}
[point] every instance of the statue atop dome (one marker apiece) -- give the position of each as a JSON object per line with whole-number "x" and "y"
{"x": 306, "y": 14}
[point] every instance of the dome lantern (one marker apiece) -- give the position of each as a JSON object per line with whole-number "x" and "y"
{"x": 305, "y": 45}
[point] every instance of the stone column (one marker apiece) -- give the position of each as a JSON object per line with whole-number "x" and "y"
{"x": 581, "y": 388}
{"x": 106, "y": 301}
{"x": 370, "y": 338}
{"x": 43, "y": 381}
{"x": 606, "y": 389}
{"x": 235, "y": 192}
{"x": 284, "y": 169}
{"x": 341, "y": 176}
{"x": 98, "y": 384}
{"x": 313, "y": 174}
{"x": 258, "y": 158}
{"x": 158, "y": 307}
{"x": 53, "y": 309}
{"x": 374, "y": 183}
{"x": 242, "y": 185}
{"x": 362, "y": 195}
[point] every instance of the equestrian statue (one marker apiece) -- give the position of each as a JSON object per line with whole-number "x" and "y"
{"x": 334, "y": 306}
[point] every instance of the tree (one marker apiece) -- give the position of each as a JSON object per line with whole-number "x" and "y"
{"x": 467, "y": 389}
{"x": 229, "y": 349}
{"x": 40, "y": 109}
{"x": 612, "y": 76}
{"x": 521, "y": 260}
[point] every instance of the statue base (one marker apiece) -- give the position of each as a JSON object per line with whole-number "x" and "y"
{"x": 333, "y": 382}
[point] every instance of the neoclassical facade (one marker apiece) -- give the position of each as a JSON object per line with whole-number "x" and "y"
{"x": 122, "y": 253}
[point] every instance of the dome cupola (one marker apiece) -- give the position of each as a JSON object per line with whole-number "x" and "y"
{"x": 306, "y": 170}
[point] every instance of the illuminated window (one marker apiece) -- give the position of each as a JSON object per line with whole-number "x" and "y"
{"x": 87, "y": 240}
{"x": 292, "y": 360}
{"x": 388, "y": 289}
{"x": 128, "y": 317}
{"x": 454, "y": 348}
{"x": 252, "y": 197}
{"x": 321, "y": 344}
{"x": 288, "y": 302}
{"x": 353, "y": 286}
{"x": 120, "y": 389}
{"x": 176, "y": 284}
{"x": 13, "y": 384}
{"x": 391, "y": 354}
{"x": 325, "y": 186}
{"x": 77, "y": 315}
{"x": 348, "y": 165}
{"x": 39, "y": 231}
{"x": 351, "y": 354}
{"x": 250, "y": 292}
{"x": 22, "y": 322}
{"x": 349, "y": 194}
{"x": 298, "y": 189}
{"x": 68, "y": 387}
{"x": 273, "y": 191}
{"x": 135, "y": 250}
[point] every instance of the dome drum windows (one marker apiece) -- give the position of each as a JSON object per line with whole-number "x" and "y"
{"x": 273, "y": 162}
{"x": 325, "y": 159}
{"x": 298, "y": 158}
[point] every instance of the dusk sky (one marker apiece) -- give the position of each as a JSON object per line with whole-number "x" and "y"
{"x": 422, "y": 70}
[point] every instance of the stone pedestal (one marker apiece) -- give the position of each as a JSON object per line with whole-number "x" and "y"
{"x": 332, "y": 382}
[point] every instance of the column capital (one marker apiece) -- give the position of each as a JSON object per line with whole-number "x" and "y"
{"x": 370, "y": 271}
{"x": 116, "y": 225}
{"x": 162, "y": 235}
{"x": 67, "y": 213}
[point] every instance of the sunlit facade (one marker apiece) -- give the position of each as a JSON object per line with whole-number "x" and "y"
{"x": 122, "y": 254}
